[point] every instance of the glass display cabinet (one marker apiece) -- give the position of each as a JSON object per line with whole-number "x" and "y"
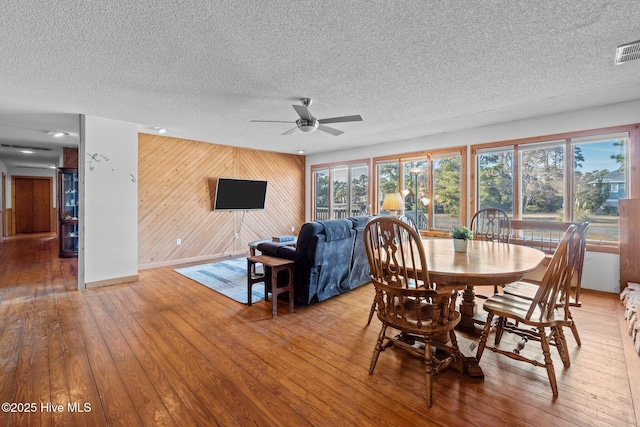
{"x": 68, "y": 212}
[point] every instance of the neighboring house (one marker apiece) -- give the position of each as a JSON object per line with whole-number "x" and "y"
{"x": 617, "y": 189}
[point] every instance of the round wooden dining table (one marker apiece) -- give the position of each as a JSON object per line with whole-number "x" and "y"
{"x": 484, "y": 263}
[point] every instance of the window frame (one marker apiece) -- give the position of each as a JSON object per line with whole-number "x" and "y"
{"x": 633, "y": 164}
{"x": 330, "y": 167}
{"x": 428, "y": 155}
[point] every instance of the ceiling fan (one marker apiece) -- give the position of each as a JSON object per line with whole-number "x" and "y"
{"x": 308, "y": 123}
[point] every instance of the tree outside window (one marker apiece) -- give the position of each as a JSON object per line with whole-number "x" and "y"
{"x": 495, "y": 183}
{"x": 600, "y": 181}
{"x": 388, "y": 180}
{"x": 542, "y": 182}
{"x": 447, "y": 181}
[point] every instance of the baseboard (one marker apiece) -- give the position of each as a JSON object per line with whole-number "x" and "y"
{"x": 198, "y": 259}
{"x": 109, "y": 282}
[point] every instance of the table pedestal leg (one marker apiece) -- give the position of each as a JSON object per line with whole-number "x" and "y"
{"x": 468, "y": 311}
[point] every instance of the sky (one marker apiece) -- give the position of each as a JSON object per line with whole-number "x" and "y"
{"x": 597, "y": 156}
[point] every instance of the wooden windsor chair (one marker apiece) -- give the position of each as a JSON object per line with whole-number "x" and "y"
{"x": 423, "y": 315}
{"x": 531, "y": 319}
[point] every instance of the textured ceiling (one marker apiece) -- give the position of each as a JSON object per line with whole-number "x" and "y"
{"x": 204, "y": 69}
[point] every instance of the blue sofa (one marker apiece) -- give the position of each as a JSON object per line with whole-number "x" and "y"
{"x": 330, "y": 258}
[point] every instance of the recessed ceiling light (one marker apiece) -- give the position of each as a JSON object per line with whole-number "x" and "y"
{"x": 27, "y": 151}
{"x": 300, "y": 151}
{"x": 57, "y": 133}
{"x": 160, "y": 130}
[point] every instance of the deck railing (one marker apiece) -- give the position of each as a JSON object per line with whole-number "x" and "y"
{"x": 323, "y": 214}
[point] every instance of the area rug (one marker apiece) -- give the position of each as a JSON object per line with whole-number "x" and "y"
{"x": 226, "y": 277}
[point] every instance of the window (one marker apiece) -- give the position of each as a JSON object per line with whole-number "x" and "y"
{"x": 431, "y": 184}
{"x": 321, "y": 187}
{"x": 542, "y": 181}
{"x": 340, "y": 177}
{"x": 388, "y": 180}
{"x": 446, "y": 208}
{"x": 495, "y": 182}
{"x": 416, "y": 192}
{"x": 360, "y": 190}
{"x": 577, "y": 178}
{"x": 600, "y": 180}
{"x": 340, "y": 191}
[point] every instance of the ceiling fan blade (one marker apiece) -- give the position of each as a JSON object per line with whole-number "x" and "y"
{"x": 303, "y": 112}
{"x": 342, "y": 119}
{"x": 290, "y": 131}
{"x": 332, "y": 131}
{"x": 272, "y": 121}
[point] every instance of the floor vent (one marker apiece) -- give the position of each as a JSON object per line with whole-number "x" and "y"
{"x": 627, "y": 52}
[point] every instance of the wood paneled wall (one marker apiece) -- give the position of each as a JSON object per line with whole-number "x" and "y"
{"x": 176, "y": 180}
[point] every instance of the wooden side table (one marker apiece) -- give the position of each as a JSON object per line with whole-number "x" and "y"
{"x": 253, "y": 246}
{"x": 272, "y": 266}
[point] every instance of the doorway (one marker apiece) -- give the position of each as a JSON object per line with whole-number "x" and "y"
{"x": 32, "y": 204}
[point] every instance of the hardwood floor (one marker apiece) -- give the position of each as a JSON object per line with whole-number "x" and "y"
{"x": 168, "y": 351}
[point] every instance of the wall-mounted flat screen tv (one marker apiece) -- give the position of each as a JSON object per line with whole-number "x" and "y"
{"x": 239, "y": 194}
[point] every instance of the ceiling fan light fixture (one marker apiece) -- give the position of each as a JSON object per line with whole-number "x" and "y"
{"x": 307, "y": 125}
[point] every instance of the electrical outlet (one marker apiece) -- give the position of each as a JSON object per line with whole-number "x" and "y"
{"x": 293, "y": 229}
{"x": 235, "y": 237}
{"x": 178, "y": 242}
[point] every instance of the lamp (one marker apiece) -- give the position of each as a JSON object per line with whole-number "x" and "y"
{"x": 392, "y": 202}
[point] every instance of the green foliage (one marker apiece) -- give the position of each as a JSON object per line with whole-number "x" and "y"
{"x": 389, "y": 174}
{"x": 340, "y": 191}
{"x": 496, "y": 181}
{"x": 591, "y": 195}
{"x": 447, "y": 185}
{"x": 542, "y": 180}
{"x": 359, "y": 186}
{"x": 578, "y": 157}
{"x": 322, "y": 190}
{"x": 619, "y": 158}
{"x": 461, "y": 232}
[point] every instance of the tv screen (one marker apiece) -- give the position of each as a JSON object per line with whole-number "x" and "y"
{"x": 239, "y": 194}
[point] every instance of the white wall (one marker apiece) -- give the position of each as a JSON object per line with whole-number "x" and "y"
{"x": 601, "y": 270}
{"x": 108, "y": 169}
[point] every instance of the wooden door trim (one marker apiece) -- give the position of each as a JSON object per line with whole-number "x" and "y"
{"x": 3, "y": 206}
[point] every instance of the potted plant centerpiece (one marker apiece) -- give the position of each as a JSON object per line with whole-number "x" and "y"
{"x": 460, "y": 235}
